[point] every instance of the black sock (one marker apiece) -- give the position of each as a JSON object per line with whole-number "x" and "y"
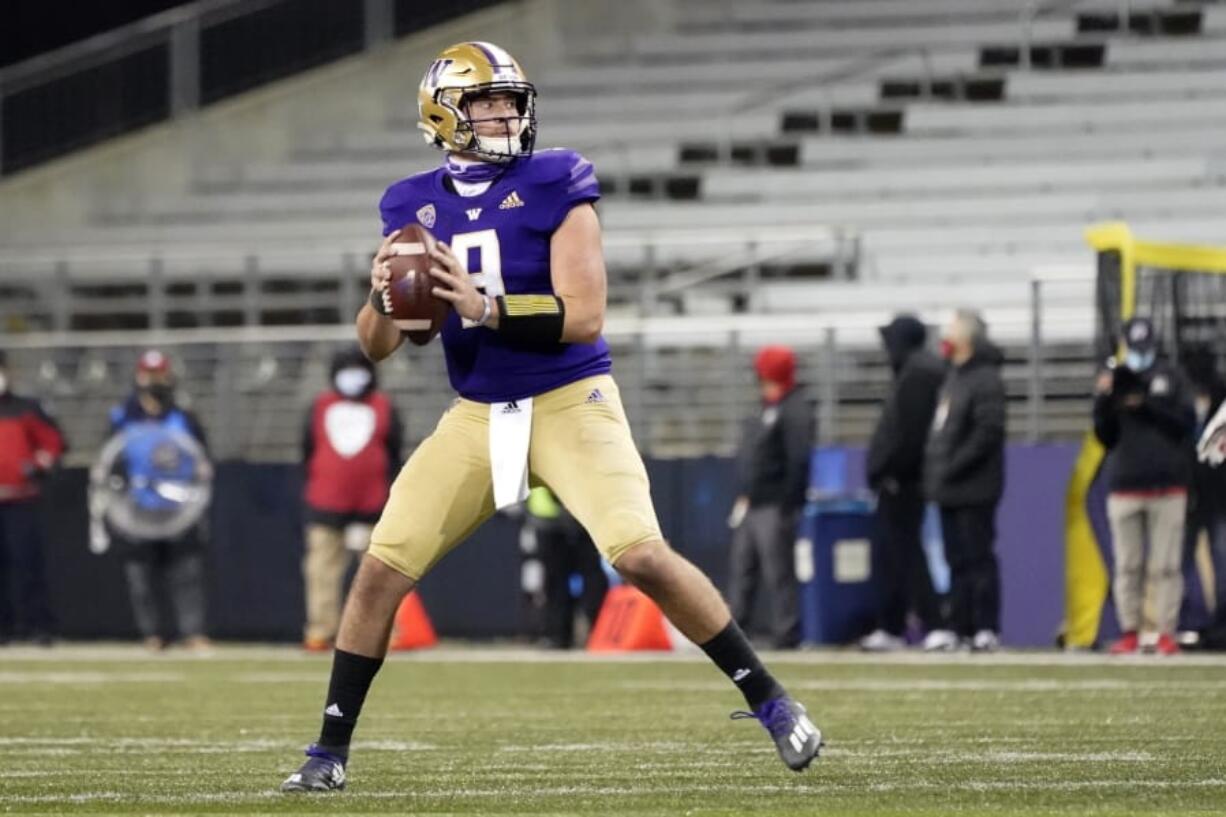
{"x": 351, "y": 677}
{"x": 732, "y": 653}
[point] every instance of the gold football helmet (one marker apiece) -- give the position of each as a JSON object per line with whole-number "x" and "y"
{"x": 468, "y": 70}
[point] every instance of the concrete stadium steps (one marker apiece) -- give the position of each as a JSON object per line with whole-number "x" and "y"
{"x": 707, "y": 14}
{"x": 1208, "y": 50}
{"x": 1081, "y": 187}
{"x": 1011, "y": 149}
{"x": 608, "y": 134}
{"x": 1034, "y": 235}
{"x": 576, "y": 79}
{"x": 887, "y": 297}
{"x": 685, "y": 47}
{"x": 1050, "y": 86}
{"x": 597, "y": 96}
{"x": 331, "y": 236}
{"x": 970, "y": 265}
{"x": 334, "y": 235}
{"x": 974, "y": 191}
{"x": 1058, "y": 117}
{"x": 678, "y": 104}
{"x": 312, "y": 173}
{"x": 973, "y": 208}
{"x": 780, "y": 185}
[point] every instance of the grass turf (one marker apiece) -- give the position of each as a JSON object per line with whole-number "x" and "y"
{"x": 495, "y": 731}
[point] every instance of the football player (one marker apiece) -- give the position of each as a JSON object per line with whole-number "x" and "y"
{"x": 519, "y": 259}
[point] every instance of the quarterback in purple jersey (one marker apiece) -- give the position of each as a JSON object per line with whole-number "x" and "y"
{"x": 503, "y": 235}
{"x": 519, "y": 258}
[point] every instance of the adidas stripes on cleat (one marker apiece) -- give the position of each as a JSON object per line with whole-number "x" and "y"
{"x": 799, "y": 742}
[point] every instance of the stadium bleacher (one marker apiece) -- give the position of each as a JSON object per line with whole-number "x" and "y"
{"x": 834, "y": 158}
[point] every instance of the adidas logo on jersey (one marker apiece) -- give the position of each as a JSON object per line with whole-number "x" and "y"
{"x": 511, "y": 201}
{"x": 474, "y": 213}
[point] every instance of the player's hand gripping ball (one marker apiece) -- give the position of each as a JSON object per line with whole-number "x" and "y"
{"x": 406, "y": 294}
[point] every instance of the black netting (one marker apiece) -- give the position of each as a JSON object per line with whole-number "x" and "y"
{"x": 1107, "y": 295}
{"x": 1188, "y": 309}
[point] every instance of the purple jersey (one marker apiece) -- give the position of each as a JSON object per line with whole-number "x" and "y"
{"x": 503, "y": 237}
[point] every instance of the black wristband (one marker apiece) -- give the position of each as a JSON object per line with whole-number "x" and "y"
{"x": 378, "y": 303}
{"x": 536, "y": 319}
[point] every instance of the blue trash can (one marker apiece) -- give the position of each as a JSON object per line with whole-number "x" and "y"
{"x": 834, "y": 565}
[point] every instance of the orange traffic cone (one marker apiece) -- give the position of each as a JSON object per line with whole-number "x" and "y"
{"x": 412, "y": 629}
{"x": 628, "y": 621}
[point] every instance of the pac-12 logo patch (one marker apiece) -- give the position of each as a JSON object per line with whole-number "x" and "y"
{"x": 425, "y": 216}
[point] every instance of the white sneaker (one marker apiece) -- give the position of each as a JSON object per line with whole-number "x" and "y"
{"x": 940, "y": 641}
{"x": 881, "y": 641}
{"x": 985, "y": 641}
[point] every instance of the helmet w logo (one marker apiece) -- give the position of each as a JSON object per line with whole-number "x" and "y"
{"x": 435, "y": 75}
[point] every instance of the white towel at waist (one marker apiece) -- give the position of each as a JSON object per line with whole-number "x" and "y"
{"x": 510, "y": 436}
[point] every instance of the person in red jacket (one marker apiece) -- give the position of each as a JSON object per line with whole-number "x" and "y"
{"x": 30, "y": 446}
{"x": 351, "y": 448}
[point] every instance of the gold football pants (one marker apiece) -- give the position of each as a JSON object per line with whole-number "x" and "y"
{"x": 581, "y": 449}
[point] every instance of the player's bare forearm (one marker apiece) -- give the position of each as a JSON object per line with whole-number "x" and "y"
{"x": 577, "y": 268}
{"x": 377, "y": 335}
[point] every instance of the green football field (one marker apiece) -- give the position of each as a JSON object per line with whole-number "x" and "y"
{"x": 500, "y": 731}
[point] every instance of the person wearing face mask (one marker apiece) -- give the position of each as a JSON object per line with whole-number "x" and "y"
{"x": 774, "y": 474}
{"x": 964, "y": 473}
{"x": 30, "y": 446}
{"x": 351, "y": 448}
{"x": 1143, "y": 415}
{"x": 169, "y": 566}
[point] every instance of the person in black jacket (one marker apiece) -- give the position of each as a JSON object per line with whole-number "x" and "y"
{"x": 895, "y": 471}
{"x": 1206, "y": 502}
{"x": 1143, "y": 415}
{"x": 774, "y": 466}
{"x": 964, "y": 473}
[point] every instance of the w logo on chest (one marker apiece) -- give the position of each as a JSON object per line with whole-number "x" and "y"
{"x": 474, "y": 213}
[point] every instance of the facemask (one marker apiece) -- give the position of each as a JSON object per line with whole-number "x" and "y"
{"x": 352, "y": 381}
{"x": 1138, "y": 361}
{"x": 161, "y": 392}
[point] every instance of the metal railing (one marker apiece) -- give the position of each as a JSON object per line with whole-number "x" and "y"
{"x": 91, "y": 288}
{"x": 687, "y": 382}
